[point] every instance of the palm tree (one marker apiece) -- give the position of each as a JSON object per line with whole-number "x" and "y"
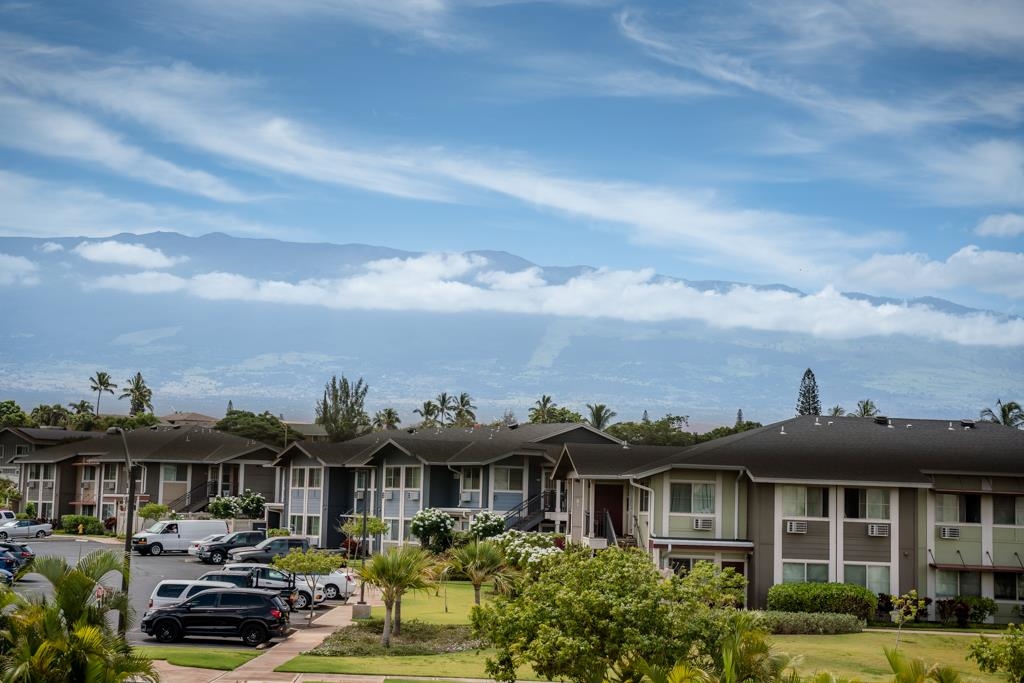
{"x": 865, "y": 408}
{"x": 600, "y": 415}
{"x": 445, "y": 404}
{"x": 101, "y": 383}
{"x": 395, "y": 572}
{"x": 478, "y": 562}
{"x": 139, "y": 394}
{"x": 83, "y": 407}
{"x": 1009, "y": 414}
{"x": 907, "y": 670}
{"x": 464, "y": 410}
{"x": 836, "y": 411}
{"x": 539, "y": 411}
{"x": 428, "y": 412}
{"x": 386, "y": 419}
{"x": 50, "y": 416}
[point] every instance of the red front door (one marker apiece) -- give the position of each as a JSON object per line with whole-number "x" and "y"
{"x": 608, "y": 497}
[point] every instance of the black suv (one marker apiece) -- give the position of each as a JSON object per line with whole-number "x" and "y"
{"x": 253, "y": 615}
{"x": 217, "y": 551}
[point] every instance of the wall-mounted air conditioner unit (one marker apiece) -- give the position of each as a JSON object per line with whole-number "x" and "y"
{"x": 950, "y": 532}
{"x": 467, "y": 497}
{"x": 881, "y": 530}
{"x": 359, "y": 495}
{"x": 389, "y": 495}
{"x": 795, "y": 526}
{"x": 109, "y": 486}
{"x": 47, "y": 484}
{"x": 703, "y": 523}
{"x": 412, "y": 495}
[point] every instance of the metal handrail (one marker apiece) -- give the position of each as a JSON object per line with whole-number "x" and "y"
{"x": 609, "y": 529}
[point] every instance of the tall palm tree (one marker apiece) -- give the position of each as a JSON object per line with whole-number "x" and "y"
{"x": 445, "y": 405}
{"x": 101, "y": 383}
{"x": 600, "y": 415}
{"x": 865, "y": 408}
{"x": 387, "y": 418}
{"x": 428, "y": 412}
{"x": 1009, "y": 414}
{"x": 464, "y": 410}
{"x": 479, "y": 562}
{"x": 140, "y": 395}
{"x": 539, "y": 411}
{"x": 395, "y": 572}
{"x": 83, "y": 407}
{"x": 836, "y": 411}
{"x": 50, "y": 416}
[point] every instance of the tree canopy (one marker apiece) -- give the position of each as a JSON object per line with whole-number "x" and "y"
{"x": 665, "y": 431}
{"x": 807, "y": 401}
{"x": 139, "y": 395}
{"x": 340, "y": 412}
{"x": 1008, "y": 414}
{"x": 265, "y": 427}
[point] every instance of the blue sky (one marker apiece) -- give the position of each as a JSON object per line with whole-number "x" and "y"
{"x": 831, "y": 146}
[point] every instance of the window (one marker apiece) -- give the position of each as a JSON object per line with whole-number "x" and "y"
{"x": 203, "y": 600}
{"x": 692, "y": 498}
{"x": 48, "y": 471}
{"x": 240, "y": 600}
{"x": 645, "y": 501}
{"x": 964, "y": 508}
{"x": 88, "y": 474}
{"x": 680, "y": 565}
{"x": 949, "y": 584}
{"x": 1008, "y": 510}
{"x": 804, "y": 572}
{"x": 315, "y": 476}
{"x": 313, "y": 526}
{"x": 392, "y": 533}
{"x": 295, "y": 524}
{"x": 107, "y": 510}
{"x": 192, "y": 590}
{"x": 508, "y": 478}
{"x": 1009, "y": 586}
{"x": 873, "y": 577}
{"x": 804, "y": 501}
{"x": 175, "y": 473}
{"x": 109, "y": 471}
{"x": 470, "y": 478}
{"x": 362, "y": 481}
{"x": 412, "y": 477}
{"x": 298, "y": 477}
{"x": 22, "y": 449}
{"x": 170, "y": 590}
{"x": 866, "y": 503}
{"x": 46, "y": 511}
{"x": 34, "y": 471}
{"x": 391, "y": 477}
{"x": 89, "y": 510}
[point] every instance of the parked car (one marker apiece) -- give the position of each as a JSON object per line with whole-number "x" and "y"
{"x": 6, "y": 578}
{"x": 171, "y": 591}
{"x": 24, "y": 528}
{"x": 262, "y": 576}
{"x": 9, "y": 562}
{"x": 7, "y": 515}
{"x": 217, "y": 552}
{"x": 194, "y": 546}
{"x": 175, "y": 535}
{"x": 22, "y": 551}
{"x": 253, "y": 615}
{"x": 268, "y": 549}
{"x": 248, "y": 580}
{"x": 338, "y": 585}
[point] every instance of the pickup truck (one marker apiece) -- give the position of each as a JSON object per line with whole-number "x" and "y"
{"x": 24, "y": 528}
{"x": 262, "y": 576}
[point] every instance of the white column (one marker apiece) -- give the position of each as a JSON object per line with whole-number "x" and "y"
{"x": 835, "y": 536}
{"x": 894, "y": 541}
{"x": 777, "y": 532}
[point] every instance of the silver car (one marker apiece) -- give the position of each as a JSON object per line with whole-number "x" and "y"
{"x": 24, "y": 528}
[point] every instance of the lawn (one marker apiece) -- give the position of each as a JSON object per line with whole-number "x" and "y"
{"x": 456, "y": 664}
{"x": 430, "y": 607}
{"x": 223, "y": 660}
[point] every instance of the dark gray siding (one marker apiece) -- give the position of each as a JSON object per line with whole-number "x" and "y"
{"x": 66, "y": 490}
{"x": 443, "y": 488}
{"x": 760, "y": 516}
{"x": 859, "y": 547}
{"x": 908, "y": 560}
{"x": 338, "y": 483}
{"x": 257, "y": 478}
{"x": 151, "y": 485}
{"x": 814, "y": 545}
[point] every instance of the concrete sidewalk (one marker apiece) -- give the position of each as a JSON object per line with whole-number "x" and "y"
{"x": 261, "y": 669}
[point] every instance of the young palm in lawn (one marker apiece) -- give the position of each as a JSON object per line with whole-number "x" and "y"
{"x": 906, "y": 670}
{"x": 1009, "y": 414}
{"x": 101, "y": 384}
{"x": 479, "y": 562}
{"x": 394, "y": 573}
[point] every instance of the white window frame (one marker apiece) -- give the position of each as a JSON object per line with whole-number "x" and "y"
{"x": 805, "y": 564}
{"x": 405, "y": 477}
{"x": 318, "y": 474}
{"x": 175, "y": 465}
{"x": 392, "y": 477}
{"x": 940, "y": 573}
{"x": 800, "y": 498}
{"x": 508, "y": 470}
{"x": 868, "y": 567}
{"x": 300, "y": 474}
{"x": 693, "y": 497}
{"x": 1018, "y": 580}
{"x": 1018, "y": 512}
{"x": 479, "y": 478}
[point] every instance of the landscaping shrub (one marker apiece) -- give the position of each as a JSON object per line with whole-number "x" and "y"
{"x": 525, "y": 549}
{"x": 69, "y": 524}
{"x": 487, "y": 525}
{"x": 838, "y": 598}
{"x": 979, "y": 608}
{"x": 278, "y": 532}
{"x": 964, "y": 609}
{"x": 801, "y": 623}
{"x": 433, "y": 527}
{"x": 362, "y": 639}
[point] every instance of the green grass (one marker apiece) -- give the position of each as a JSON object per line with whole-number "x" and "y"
{"x": 860, "y": 655}
{"x": 455, "y": 664}
{"x": 429, "y": 606}
{"x": 223, "y": 660}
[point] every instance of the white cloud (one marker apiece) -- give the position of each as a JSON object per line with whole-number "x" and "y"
{"x": 988, "y": 172}
{"x": 988, "y": 25}
{"x": 122, "y": 253}
{"x": 145, "y": 337}
{"x": 429, "y": 284}
{"x": 50, "y": 247}
{"x": 499, "y": 279}
{"x": 996, "y": 272}
{"x": 1005, "y": 225}
{"x": 18, "y": 270}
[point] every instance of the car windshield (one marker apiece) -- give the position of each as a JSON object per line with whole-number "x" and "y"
{"x": 210, "y": 539}
{"x": 14, "y": 523}
{"x": 263, "y": 543}
{"x": 156, "y": 528}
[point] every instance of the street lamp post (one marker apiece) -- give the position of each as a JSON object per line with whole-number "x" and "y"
{"x": 122, "y": 621}
{"x": 366, "y": 506}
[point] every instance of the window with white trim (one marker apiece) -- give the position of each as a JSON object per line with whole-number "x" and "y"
{"x": 295, "y": 524}
{"x": 644, "y": 505}
{"x": 412, "y": 477}
{"x": 298, "y": 477}
{"x": 175, "y": 473}
{"x": 392, "y": 532}
{"x": 866, "y": 503}
{"x": 109, "y": 471}
{"x": 1008, "y": 510}
{"x": 89, "y": 474}
{"x": 804, "y": 572}
{"x": 958, "y": 508}
{"x": 313, "y": 525}
{"x": 471, "y": 478}
{"x": 1009, "y": 586}
{"x": 871, "y": 576}
{"x": 949, "y": 584}
{"x": 508, "y": 478}
{"x": 805, "y": 501}
{"x": 392, "y": 477}
{"x": 692, "y": 498}
{"x": 315, "y": 477}
{"x": 22, "y": 449}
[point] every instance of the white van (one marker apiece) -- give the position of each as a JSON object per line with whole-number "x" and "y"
{"x": 175, "y": 535}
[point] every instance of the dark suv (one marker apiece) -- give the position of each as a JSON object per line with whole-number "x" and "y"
{"x": 253, "y": 615}
{"x": 217, "y": 551}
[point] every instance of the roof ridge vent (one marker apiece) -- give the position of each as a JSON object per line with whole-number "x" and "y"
{"x": 817, "y": 422}
{"x": 950, "y": 427}
{"x": 909, "y": 426}
{"x": 829, "y": 423}
{"x": 889, "y": 425}
{"x": 782, "y": 431}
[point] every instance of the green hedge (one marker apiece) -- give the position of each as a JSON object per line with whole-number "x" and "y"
{"x": 838, "y": 598}
{"x": 69, "y": 524}
{"x": 801, "y": 623}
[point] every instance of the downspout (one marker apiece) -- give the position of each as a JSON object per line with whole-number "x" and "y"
{"x": 736, "y": 502}
{"x": 650, "y": 504}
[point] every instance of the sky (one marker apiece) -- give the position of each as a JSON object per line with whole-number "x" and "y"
{"x": 832, "y": 147}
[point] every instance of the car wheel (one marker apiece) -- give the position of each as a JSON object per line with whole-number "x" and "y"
{"x": 3, "y": 535}
{"x": 155, "y": 549}
{"x": 217, "y": 557}
{"x": 303, "y": 601}
{"x": 166, "y": 631}
{"x": 40, "y": 534}
{"x": 254, "y": 634}
{"x": 331, "y": 592}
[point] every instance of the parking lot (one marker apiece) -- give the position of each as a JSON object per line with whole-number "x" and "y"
{"x": 146, "y": 572}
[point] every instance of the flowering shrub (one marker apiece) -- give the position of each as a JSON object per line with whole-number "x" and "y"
{"x": 224, "y": 507}
{"x": 252, "y": 504}
{"x": 525, "y": 550}
{"x": 434, "y": 529}
{"x": 487, "y": 524}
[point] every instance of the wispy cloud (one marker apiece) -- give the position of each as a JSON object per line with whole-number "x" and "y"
{"x": 446, "y": 283}
{"x": 997, "y": 272}
{"x": 50, "y": 247}
{"x": 1004, "y": 225}
{"x": 18, "y": 270}
{"x": 984, "y": 173}
{"x": 126, "y": 254}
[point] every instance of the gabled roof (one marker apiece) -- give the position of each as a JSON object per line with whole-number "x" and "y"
{"x": 48, "y": 436}
{"x": 158, "y": 444}
{"x": 310, "y": 429}
{"x": 608, "y": 461}
{"x": 198, "y": 419}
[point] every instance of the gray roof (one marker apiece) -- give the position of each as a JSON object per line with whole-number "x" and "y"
{"x": 307, "y": 428}
{"x": 158, "y": 444}
{"x": 50, "y": 435}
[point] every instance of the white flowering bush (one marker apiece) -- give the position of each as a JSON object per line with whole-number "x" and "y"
{"x": 527, "y": 550}
{"x": 434, "y": 529}
{"x": 224, "y": 507}
{"x": 487, "y": 525}
{"x": 252, "y": 504}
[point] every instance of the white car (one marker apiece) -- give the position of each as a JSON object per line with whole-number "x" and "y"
{"x": 24, "y": 528}
{"x": 193, "y": 547}
{"x": 272, "y": 577}
{"x": 171, "y": 591}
